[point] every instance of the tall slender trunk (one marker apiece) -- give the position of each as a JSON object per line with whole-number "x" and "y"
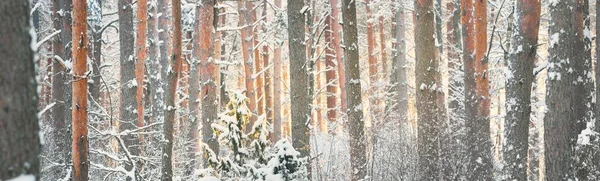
{"x": 339, "y": 53}
{"x": 268, "y": 72}
{"x": 127, "y": 79}
{"x": 277, "y": 66}
{"x": 245, "y": 20}
{"x": 426, "y": 79}
{"x": 96, "y": 57}
{"x": 299, "y": 76}
{"x": 382, "y": 50}
{"x": 518, "y": 89}
{"x": 221, "y": 37}
{"x": 160, "y": 68}
{"x": 258, "y": 64}
{"x": 478, "y": 141}
{"x": 453, "y": 147}
{"x": 373, "y": 65}
{"x": 153, "y": 59}
{"x": 19, "y": 126}
{"x": 330, "y": 66}
{"x": 173, "y": 76}
{"x": 140, "y": 62}
{"x": 79, "y": 107}
{"x": 356, "y": 124}
{"x": 210, "y": 106}
{"x": 563, "y": 120}
{"x": 193, "y": 137}
{"x": 59, "y": 146}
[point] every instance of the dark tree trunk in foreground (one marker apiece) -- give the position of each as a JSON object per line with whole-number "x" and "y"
{"x": 19, "y": 126}
{"x": 356, "y": 125}
{"x": 427, "y": 107}
{"x": 79, "y": 107}
{"x": 127, "y": 79}
{"x": 174, "y": 73}
{"x": 299, "y": 76}
{"x": 564, "y": 119}
{"x": 518, "y": 89}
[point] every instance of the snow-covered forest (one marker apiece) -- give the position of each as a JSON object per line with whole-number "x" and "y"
{"x": 371, "y": 90}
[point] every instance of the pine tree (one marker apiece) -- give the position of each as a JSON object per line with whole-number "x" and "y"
{"x": 20, "y": 132}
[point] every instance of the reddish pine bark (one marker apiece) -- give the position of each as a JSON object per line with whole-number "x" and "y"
{"x": 339, "y": 53}
{"x": 277, "y": 117}
{"x": 140, "y": 63}
{"x": 80, "y": 103}
{"x": 246, "y": 21}
{"x": 330, "y": 67}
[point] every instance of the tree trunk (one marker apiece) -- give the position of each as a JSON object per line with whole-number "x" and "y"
{"x": 160, "y": 68}
{"x": 597, "y": 116}
{"x": 373, "y": 66}
{"x": 19, "y": 126}
{"x": 96, "y": 57}
{"x": 59, "y": 146}
{"x": 153, "y": 60}
{"x": 210, "y": 106}
{"x": 173, "y": 76}
{"x": 330, "y": 66}
{"x": 80, "y": 142}
{"x": 563, "y": 120}
{"x": 427, "y": 107}
{"x": 277, "y": 66}
{"x": 140, "y": 63}
{"x": 453, "y": 134}
{"x": 268, "y": 75}
{"x": 193, "y": 137}
{"x": 518, "y": 89}
{"x": 299, "y": 75}
{"x": 356, "y": 125}
{"x": 478, "y": 141}
{"x": 246, "y": 34}
{"x": 339, "y": 53}
{"x": 127, "y": 79}
{"x": 258, "y": 64}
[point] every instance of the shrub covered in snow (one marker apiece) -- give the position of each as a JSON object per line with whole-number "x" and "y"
{"x": 249, "y": 156}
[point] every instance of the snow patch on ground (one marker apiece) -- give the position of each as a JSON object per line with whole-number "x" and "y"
{"x": 23, "y": 178}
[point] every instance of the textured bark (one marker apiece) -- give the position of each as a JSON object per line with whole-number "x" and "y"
{"x": 427, "y": 107}
{"x": 277, "y": 66}
{"x": 160, "y": 68}
{"x": 140, "y": 62}
{"x": 210, "y": 106}
{"x": 80, "y": 144}
{"x": 59, "y": 146}
{"x": 382, "y": 50}
{"x": 299, "y": 76}
{"x": 356, "y": 125}
{"x": 339, "y": 53}
{"x": 518, "y": 89}
{"x": 173, "y": 76}
{"x": 597, "y": 70}
{"x": 19, "y": 126}
{"x": 564, "y": 120}
{"x": 246, "y": 33}
{"x": 474, "y": 19}
{"x": 152, "y": 63}
{"x": 453, "y": 145}
{"x": 127, "y": 79}
{"x": 193, "y": 137}
{"x": 223, "y": 98}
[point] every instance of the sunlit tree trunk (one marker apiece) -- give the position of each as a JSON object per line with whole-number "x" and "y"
{"x": 356, "y": 124}
{"x": 173, "y": 76}
{"x": 277, "y": 111}
{"x": 19, "y": 126}
{"x": 248, "y": 62}
{"x": 518, "y": 89}
{"x": 427, "y": 107}
{"x": 299, "y": 76}
{"x": 257, "y": 59}
{"x": 330, "y": 66}
{"x": 339, "y": 53}
{"x": 79, "y": 107}
{"x": 268, "y": 83}
{"x": 373, "y": 65}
